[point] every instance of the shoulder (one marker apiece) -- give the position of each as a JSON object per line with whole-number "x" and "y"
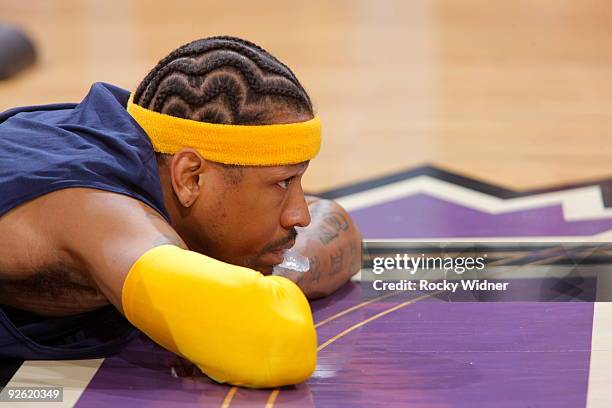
{"x": 102, "y": 233}
{"x": 81, "y": 215}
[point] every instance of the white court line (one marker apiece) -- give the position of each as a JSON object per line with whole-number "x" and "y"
{"x": 578, "y": 204}
{"x": 72, "y": 375}
{"x": 600, "y": 370}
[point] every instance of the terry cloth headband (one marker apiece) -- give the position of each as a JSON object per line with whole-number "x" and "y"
{"x": 257, "y": 145}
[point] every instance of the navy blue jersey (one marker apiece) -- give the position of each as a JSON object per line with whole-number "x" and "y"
{"x": 94, "y": 144}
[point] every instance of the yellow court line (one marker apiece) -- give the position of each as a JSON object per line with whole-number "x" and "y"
{"x": 274, "y": 394}
{"x": 228, "y": 398}
{"x": 376, "y": 316}
{"x": 353, "y": 308}
{"x": 272, "y": 398}
{"x": 230, "y": 394}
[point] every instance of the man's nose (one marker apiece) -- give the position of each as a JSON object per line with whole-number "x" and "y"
{"x": 296, "y": 213}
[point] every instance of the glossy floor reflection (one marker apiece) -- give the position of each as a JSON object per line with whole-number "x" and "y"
{"x": 393, "y": 352}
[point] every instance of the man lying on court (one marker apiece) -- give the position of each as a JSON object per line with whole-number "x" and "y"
{"x": 171, "y": 205}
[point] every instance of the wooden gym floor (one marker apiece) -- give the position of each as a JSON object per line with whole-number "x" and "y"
{"x": 443, "y": 120}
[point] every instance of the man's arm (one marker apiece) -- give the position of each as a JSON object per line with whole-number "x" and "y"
{"x": 332, "y": 244}
{"x": 106, "y": 233}
{"x": 219, "y": 316}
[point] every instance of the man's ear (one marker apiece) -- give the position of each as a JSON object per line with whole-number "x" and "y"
{"x": 186, "y": 169}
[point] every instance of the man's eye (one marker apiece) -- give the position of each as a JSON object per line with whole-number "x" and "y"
{"x": 285, "y": 183}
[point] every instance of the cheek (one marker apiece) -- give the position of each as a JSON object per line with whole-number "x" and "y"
{"x": 252, "y": 223}
{"x": 260, "y": 228}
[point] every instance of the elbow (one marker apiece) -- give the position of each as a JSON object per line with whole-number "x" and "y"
{"x": 297, "y": 358}
{"x": 282, "y": 348}
{"x": 282, "y": 351}
{"x": 292, "y": 344}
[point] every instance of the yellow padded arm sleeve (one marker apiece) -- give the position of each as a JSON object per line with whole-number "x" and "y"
{"x": 237, "y": 325}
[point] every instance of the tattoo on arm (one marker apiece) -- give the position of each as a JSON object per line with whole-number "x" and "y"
{"x": 315, "y": 269}
{"x": 336, "y": 262}
{"x": 334, "y": 222}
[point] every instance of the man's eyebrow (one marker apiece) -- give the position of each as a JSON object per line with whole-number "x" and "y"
{"x": 294, "y": 169}
{"x": 302, "y": 166}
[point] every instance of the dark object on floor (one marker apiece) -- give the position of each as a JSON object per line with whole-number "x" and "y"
{"x": 16, "y": 51}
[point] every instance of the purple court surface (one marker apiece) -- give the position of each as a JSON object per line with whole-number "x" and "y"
{"x": 409, "y": 349}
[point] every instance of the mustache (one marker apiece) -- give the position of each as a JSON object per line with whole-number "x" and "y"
{"x": 280, "y": 242}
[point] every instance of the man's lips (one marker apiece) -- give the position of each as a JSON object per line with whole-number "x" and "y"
{"x": 286, "y": 246}
{"x": 278, "y": 254}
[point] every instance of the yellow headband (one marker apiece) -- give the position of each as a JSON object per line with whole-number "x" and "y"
{"x": 265, "y": 145}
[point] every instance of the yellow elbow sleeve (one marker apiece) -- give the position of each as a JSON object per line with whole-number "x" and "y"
{"x": 237, "y": 325}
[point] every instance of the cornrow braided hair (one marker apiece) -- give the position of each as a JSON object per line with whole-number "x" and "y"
{"x": 223, "y": 80}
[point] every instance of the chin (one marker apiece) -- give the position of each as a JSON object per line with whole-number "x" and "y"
{"x": 267, "y": 270}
